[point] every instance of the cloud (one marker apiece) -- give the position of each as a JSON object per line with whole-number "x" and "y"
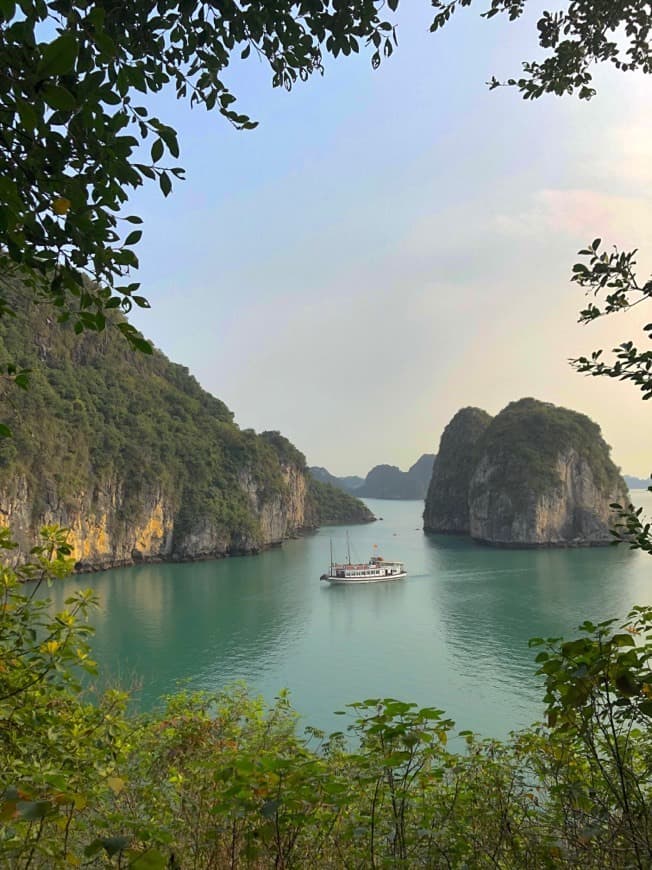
{"x": 582, "y": 214}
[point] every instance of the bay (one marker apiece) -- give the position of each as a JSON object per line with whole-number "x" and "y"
{"x": 454, "y": 634}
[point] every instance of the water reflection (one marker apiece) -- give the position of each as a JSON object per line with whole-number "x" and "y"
{"x": 492, "y": 601}
{"x": 207, "y": 622}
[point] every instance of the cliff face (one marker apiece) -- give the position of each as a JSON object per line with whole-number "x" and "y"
{"x": 102, "y": 536}
{"x": 574, "y": 513}
{"x": 447, "y": 505}
{"x": 134, "y": 457}
{"x": 420, "y": 474}
{"x": 540, "y": 476}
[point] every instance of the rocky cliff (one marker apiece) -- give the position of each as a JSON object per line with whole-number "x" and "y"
{"x": 103, "y": 535}
{"x": 447, "y": 500}
{"x": 538, "y": 476}
{"x": 135, "y": 458}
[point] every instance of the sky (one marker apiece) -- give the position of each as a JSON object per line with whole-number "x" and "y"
{"x": 390, "y": 246}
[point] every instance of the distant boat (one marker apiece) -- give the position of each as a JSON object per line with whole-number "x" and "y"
{"x": 376, "y": 570}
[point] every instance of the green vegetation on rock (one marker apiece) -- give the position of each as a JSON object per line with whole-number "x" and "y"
{"x": 106, "y": 432}
{"x": 526, "y": 440}
{"x": 332, "y": 506}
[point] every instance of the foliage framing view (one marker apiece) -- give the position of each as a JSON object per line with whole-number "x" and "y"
{"x": 73, "y": 129}
{"x": 214, "y": 782}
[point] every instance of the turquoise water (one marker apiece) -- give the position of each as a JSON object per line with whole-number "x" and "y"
{"x": 454, "y": 634}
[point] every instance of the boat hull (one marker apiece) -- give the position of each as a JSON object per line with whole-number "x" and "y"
{"x": 350, "y": 581}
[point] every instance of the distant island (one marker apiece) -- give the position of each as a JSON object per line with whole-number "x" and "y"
{"x": 535, "y": 475}
{"x": 637, "y": 482}
{"x": 384, "y": 481}
{"x": 137, "y": 460}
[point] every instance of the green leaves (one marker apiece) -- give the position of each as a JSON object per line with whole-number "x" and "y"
{"x": 111, "y": 845}
{"x": 57, "y": 97}
{"x": 33, "y": 811}
{"x": 157, "y": 150}
{"x": 133, "y": 237}
{"x": 572, "y": 41}
{"x": 58, "y": 57}
{"x": 73, "y": 95}
{"x": 7, "y": 9}
{"x": 165, "y": 183}
{"x": 613, "y": 274}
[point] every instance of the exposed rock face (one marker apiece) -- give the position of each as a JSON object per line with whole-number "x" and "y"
{"x": 538, "y": 476}
{"x": 574, "y": 513}
{"x": 447, "y": 503}
{"x": 102, "y": 537}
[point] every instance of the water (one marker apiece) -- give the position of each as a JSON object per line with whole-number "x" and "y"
{"x": 453, "y": 635}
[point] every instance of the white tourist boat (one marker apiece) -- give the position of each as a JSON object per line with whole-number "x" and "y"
{"x": 376, "y": 570}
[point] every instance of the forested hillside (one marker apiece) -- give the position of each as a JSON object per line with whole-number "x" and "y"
{"x": 134, "y": 456}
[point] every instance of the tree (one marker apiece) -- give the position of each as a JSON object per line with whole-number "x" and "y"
{"x": 73, "y": 126}
{"x": 73, "y": 130}
{"x": 585, "y": 33}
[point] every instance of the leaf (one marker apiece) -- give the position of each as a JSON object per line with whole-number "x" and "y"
{"x": 623, "y": 640}
{"x": 141, "y": 344}
{"x": 32, "y": 811}
{"x": 169, "y": 136}
{"x": 646, "y": 708}
{"x": 58, "y": 97}
{"x": 116, "y": 784}
{"x": 58, "y": 57}
{"x": 112, "y": 845}
{"x": 61, "y": 205}
{"x": 28, "y": 115}
{"x": 133, "y": 237}
{"x": 165, "y": 183}
{"x": 150, "y": 860}
{"x": 157, "y": 150}
{"x": 5, "y": 431}
{"x": 7, "y": 9}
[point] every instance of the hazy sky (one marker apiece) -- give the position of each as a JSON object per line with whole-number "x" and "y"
{"x": 390, "y": 246}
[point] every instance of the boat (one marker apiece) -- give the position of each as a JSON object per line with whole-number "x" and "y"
{"x": 376, "y": 570}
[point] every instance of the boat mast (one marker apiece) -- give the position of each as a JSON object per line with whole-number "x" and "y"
{"x": 331, "y": 556}
{"x": 348, "y": 547}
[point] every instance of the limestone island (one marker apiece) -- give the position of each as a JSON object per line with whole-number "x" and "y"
{"x": 536, "y": 475}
